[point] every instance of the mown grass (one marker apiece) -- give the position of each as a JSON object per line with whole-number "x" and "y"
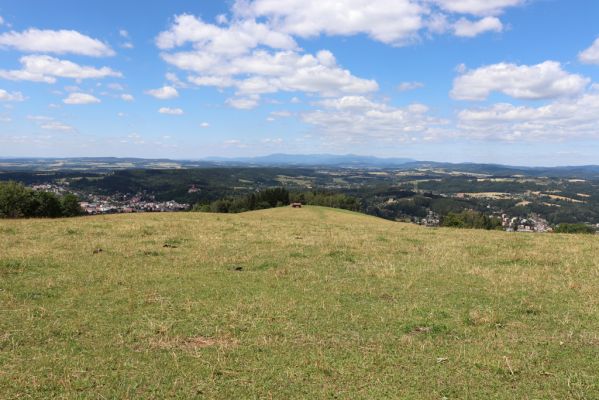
{"x": 293, "y": 303}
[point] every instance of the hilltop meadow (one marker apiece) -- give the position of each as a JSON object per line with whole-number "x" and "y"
{"x": 293, "y": 304}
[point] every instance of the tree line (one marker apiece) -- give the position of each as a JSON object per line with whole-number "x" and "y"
{"x": 18, "y": 201}
{"x": 277, "y": 197}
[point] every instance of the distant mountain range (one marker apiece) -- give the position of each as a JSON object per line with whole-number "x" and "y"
{"x": 348, "y": 160}
{"x": 91, "y": 164}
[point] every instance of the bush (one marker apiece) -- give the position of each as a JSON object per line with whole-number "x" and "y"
{"x": 470, "y": 220}
{"x": 575, "y": 228}
{"x": 17, "y": 201}
{"x": 268, "y": 198}
{"x": 70, "y": 205}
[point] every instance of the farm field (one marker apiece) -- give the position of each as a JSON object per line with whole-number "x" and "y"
{"x": 293, "y": 303}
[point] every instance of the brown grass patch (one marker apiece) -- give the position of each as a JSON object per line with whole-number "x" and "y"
{"x": 190, "y": 343}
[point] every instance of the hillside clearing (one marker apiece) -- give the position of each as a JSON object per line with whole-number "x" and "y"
{"x": 293, "y": 303}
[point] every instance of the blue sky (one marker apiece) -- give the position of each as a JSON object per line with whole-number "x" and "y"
{"x": 506, "y": 81}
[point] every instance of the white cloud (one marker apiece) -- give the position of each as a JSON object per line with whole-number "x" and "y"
{"x": 265, "y": 72}
{"x": 466, "y": 28}
{"x": 11, "y": 96}
{"x": 123, "y": 33}
{"x": 238, "y": 38}
{"x": 273, "y": 141}
{"x": 127, "y": 97}
{"x": 4, "y": 118}
{"x": 50, "y": 124}
{"x": 542, "y": 81}
{"x": 170, "y": 111}
{"x": 244, "y": 103}
{"x": 116, "y": 86}
{"x": 388, "y": 21}
{"x": 1, "y": 20}
{"x": 358, "y": 119}
{"x": 164, "y": 93}
{"x": 478, "y": 7}
{"x": 205, "y": 125}
{"x": 281, "y": 114}
{"x": 39, "y": 68}
{"x": 216, "y": 81}
{"x": 590, "y": 55}
{"x": 59, "y": 42}
{"x": 407, "y": 86}
{"x": 39, "y": 118}
{"x": 563, "y": 119}
{"x": 57, "y": 126}
{"x": 234, "y": 143}
{"x": 255, "y": 60}
{"x": 222, "y": 19}
{"x": 81, "y": 98}
{"x": 395, "y": 22}
{"x": 175, "y": 81}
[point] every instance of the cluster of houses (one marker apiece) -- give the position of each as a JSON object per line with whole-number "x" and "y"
{"x": 98, "y": 204}
{"x": 114, "y": 207}
{"x": 532, "y": 224}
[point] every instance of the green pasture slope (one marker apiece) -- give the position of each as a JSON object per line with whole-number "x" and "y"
{"x": 293, "y": 304}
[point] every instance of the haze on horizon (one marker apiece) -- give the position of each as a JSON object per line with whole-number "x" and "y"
{"x": 503, "y": 81}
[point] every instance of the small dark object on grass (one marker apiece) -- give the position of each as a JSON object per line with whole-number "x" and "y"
{"x": 98, "y": 251}
{"x": 237, "y": 268}
{"x": 170, "y": 246}
{"x": 421, "y": 329}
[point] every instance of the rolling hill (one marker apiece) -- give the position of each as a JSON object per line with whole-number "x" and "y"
{"x": 293, "y": 303}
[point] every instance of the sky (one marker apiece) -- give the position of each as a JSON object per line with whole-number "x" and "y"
{"x": 495, "y": 81}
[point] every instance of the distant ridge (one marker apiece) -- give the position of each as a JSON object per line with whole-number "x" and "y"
{"x": 99, "y": 164}
{"x": 347, "y": 160}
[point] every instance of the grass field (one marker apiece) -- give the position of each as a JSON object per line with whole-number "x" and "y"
{"x": 293, "y": 304}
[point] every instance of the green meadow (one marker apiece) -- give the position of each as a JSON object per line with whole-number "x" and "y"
{"x": 293, "y": 304}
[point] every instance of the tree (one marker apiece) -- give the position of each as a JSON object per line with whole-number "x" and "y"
{"x": 574, "y": 228}
{"x": 47, "y": 205}
{"x": 70, "y": 205}
{"x": 16, "y": 200}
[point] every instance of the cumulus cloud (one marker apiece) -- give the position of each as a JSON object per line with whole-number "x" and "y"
{"x": 40, "y": 68}
{"x": 164, "y": 93}
{"x": 170, "y": 111}
{"x": 205, "y": 125}
{"x": 563, "y": 119}
{"x": 281, "y": 114}
{"x": 359, "y": 119}
{"x": 50, "y": 124}
{"x": 407, "y": 86}
{"x": 477, "y": 7}
{"x": 127, "y": 97}
{"x": 116, "y": 86}
{"x": 11, "y": 96}
{"x": 81, "y": 98}
{"x": 238, "y": 38}
{"x": 244, "y": 103}
{"x": 395, "y": 22}
{"x": 392, "y": 22}
{"x": 590, "y": 55}
{"x": 58, "y": 42}
{"x": 57, "y": 126}
{"x": 542, "y": 81}
{"x": 466, "y": 28}
{"x": 220, "y": 59}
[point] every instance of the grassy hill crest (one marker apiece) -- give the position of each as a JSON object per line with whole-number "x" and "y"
{"x": 293, "y": 303}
